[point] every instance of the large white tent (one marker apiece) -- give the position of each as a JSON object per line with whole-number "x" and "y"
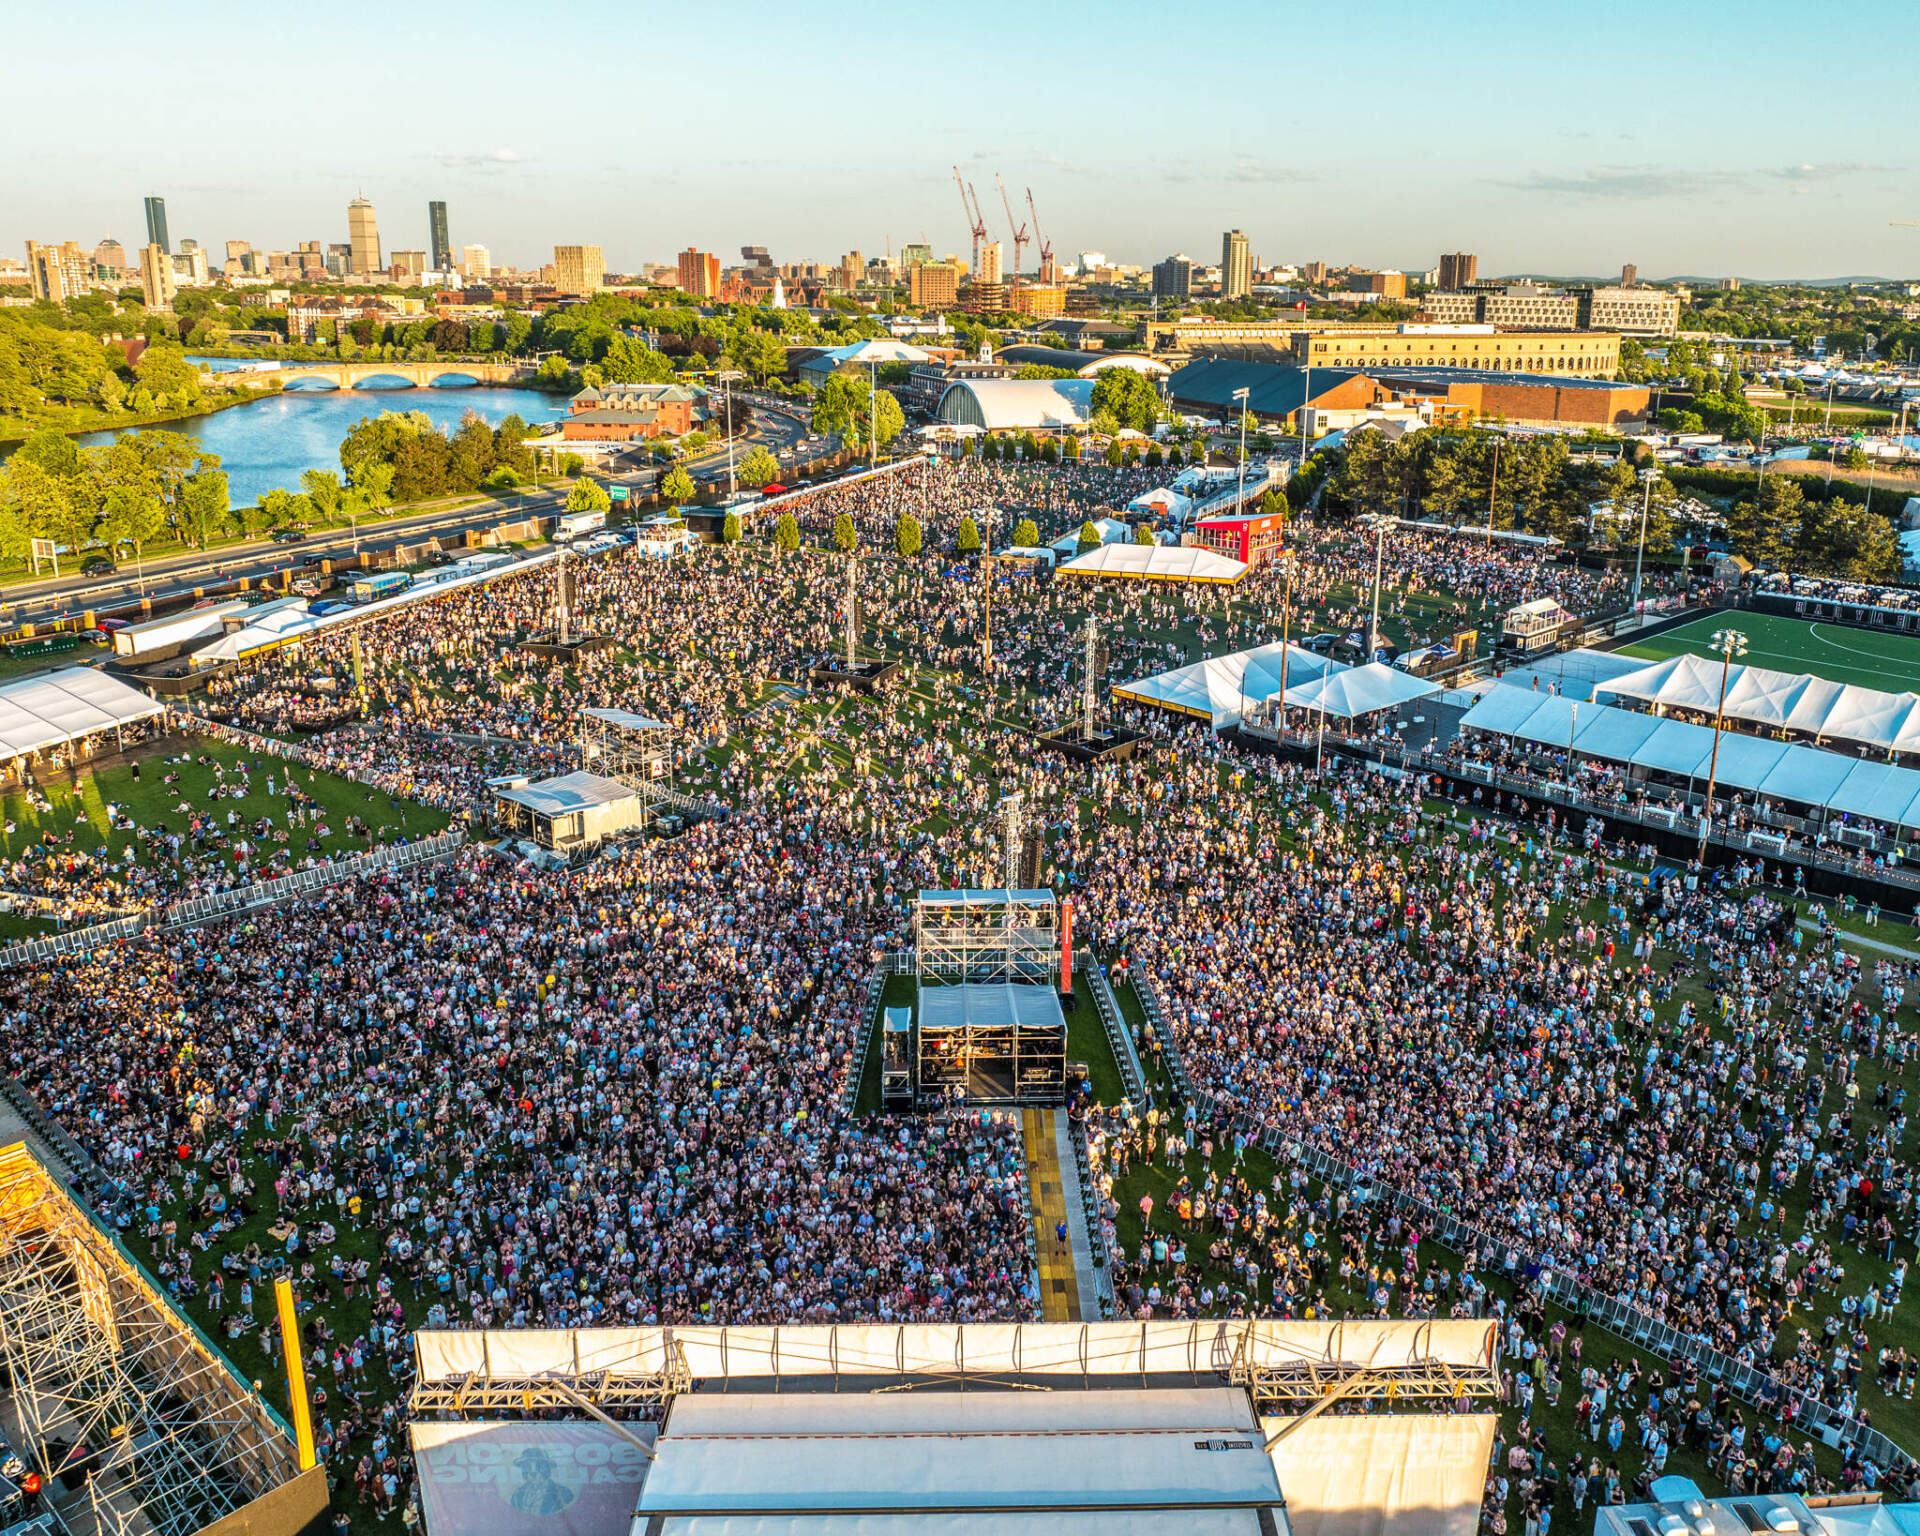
{"x": 1370, "y": 1474}
{"x": 1789, "y": 701}
{"x": 1359, "y": 690}
{"x": 1777, "y": 770}
{"x": 1157, "y": 562}
{"x": 65, "y": 706}
{"x": 1217, "y": 689}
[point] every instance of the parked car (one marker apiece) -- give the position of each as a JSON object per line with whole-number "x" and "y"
{"x": 1320, "y": 644}
{"x": 97, "y": 565}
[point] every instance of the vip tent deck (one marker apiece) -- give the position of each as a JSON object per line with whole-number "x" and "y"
{"x": 67, "y": 706}
{"x": 1359, "y": 691}
{"x": 1157, "y": 562}
{"x": 1790, "y": 701}
{"x": 1776, "y": 770}
{"x": 1218, "y": 688}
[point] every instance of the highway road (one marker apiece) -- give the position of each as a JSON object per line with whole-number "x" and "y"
{"x": 778, "y": 427}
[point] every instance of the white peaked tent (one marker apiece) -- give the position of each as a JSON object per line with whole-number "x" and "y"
{"x": 1778, "y": 770}
{"x": 65, "y": 706}
{"x": 1791, "y": 701}
{"x": 1218, "y": 688}
{"x": 1359, "y": 691}
{"x": 1157, "y": 562}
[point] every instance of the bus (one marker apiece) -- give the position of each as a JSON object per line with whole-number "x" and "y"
{"x": 371, "y": 588}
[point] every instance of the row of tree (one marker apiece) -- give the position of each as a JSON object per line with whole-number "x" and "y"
{"x": 44, "y": 366}
{"x": 1535, "y": 484}
{"x": 147, "y": 488}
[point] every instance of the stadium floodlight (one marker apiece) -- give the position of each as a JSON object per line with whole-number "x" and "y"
{"x": 1647, "y": 477}
{"x": 1727, "y": 644}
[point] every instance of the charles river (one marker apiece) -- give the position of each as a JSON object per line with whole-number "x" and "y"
{"x": 269, "y": 444}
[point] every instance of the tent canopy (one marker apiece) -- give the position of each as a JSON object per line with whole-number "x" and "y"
{"x": 1157, "y": 562}
{"x": 1793, "y": 701}
{"x": 1360, "y": 690}
{"x": 1216, "y": 689}
{"x": 63, "y": 706}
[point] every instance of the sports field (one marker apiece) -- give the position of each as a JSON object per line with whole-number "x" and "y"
{"x": 1861, "y": 656}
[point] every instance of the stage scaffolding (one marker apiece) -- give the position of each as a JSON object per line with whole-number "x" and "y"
{"x": 507, "y": 1386}
{"x": 980, "y": 936}
{"x": 102, "y": 1376}
{"x": 635, "y": 749}
{"x": 1306, "y": 1380}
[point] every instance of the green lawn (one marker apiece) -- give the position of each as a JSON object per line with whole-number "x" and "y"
{"x": 1862, "y": 656}
{"x": 79, "y": 819}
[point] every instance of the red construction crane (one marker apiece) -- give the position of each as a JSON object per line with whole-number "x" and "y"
{"x": 1019, "y": 231}
{"x": 1046, "y": 245}
{"x": 975, "y": 223}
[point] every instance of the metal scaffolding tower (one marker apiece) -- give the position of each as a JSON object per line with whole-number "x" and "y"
{"x": 103, "y": 1378}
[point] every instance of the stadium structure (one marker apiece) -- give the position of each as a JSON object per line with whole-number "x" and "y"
{"x": 119, "y": 1418}
{"x": 1219, "y": 1428}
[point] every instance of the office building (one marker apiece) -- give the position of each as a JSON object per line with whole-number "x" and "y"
{"x": 363, "y": 239}
{"x": 1236, "y": 266}
{"x": 851, "y": 271}
{"x": 912, "y": 251}
{"x": 1173, "y": 278}
{"x": 1384, "y": 285}
{"x": 109, "y": 258}
{"x": 756, "y": 259}
{"x": 578, "y": 269}
{"x": 438, "y": 245}
{"x": 407, "y": 266}
{"x": 1457, "y": 269}
{"x": 476, "y": 263}
{"x": 990, "y": 264}
{"x": 339, "y": 261}
{"x": 190, "y": 266}
{"x": 59, "y": 272}
{"x": 156, "y": 278}
{"x": 933, "y": 284}
{"x": 699, "y": 273}
{"x": 157, "y": 223}
{"x": 1633, "y": 311}
{"x": 1629, "y": 275}
{"x": 1314, "y": 272}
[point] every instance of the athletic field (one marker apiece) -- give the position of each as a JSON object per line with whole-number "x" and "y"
{"x": 1862, "y": 656}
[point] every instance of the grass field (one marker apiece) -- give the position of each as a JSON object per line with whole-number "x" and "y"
{"x": 1860, "y": 656}
{"x": 79, "y": 820}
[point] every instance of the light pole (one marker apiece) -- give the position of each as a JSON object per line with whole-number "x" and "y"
{"x": 1240, "y": 495}
{"x": 873, "y": 415}
{"x": 1647, "y": 477}
{"x": 1306, "y": 395}
{"x": 726, "y": 416}
{"x": 1379, "y": 558}
{"x": 1493, "y": 485}
{"x": 1729, "y": 643}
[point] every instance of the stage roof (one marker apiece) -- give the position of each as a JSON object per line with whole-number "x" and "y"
{"x": 63, "y": 706}
{"x": 980, "y": 1454}
{"x": 1216, "y": 689}
{"x": 626, "y": 719}
{"x": 987, "y": 1005}
{"x": 985, "y": 898}
{"x": 1409, "y": 1474}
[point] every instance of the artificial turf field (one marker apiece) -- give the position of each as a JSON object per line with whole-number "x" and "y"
{"x": 1864, "y": 657}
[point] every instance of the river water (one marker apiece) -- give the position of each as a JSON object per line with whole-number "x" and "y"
{"x": 269, "y": 444}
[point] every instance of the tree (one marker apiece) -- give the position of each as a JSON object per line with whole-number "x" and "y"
{"x": 844, "y": 537}
{"x": 1143, "y": 534}
{"x": 165, "y": 371}
{"x": 1089, "y": 537}
{"x": 1073, "y": 450}
{"x": 730, "y": 528}
{"x": 628, "y": 361}
{"x": 847, "y": 405}
{"x": 1767, "y": 531}
{"x": 203, "y": 510}
{"x": 906, "y": 536}
{"x": 324, "y": 493}
{"x": 1116, "y": 455}
{"x": 46, "y": 504}
{"x": 759, "y": 468}
{"x": 678, "y": 486}
{"x": 1129, "y": 396}
{"x": 966, "y": 538}
{"x": 762, "y": 356}
{"x": 1026, "y": 533}
{"x": 786, "y": 533}
{"x": 588, "y": 495}
{"x": 134, "y": 518}
{"x": 1856, "y": 543}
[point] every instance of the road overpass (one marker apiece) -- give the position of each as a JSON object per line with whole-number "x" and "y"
{"x": 353, "y": 375}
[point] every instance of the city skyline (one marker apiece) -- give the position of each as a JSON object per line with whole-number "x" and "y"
{"x": 1583, "y": 159}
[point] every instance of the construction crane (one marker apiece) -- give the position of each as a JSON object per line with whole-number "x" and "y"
{"x": 1046, "y": 245}
{"x": 976, "y": 224}
{"x": 1020, "y": 240}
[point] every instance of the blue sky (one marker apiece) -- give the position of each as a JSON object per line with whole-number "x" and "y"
{"x": 1747, "y": 138}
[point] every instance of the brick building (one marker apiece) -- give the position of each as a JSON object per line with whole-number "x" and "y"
{"x": 622, "y": 413}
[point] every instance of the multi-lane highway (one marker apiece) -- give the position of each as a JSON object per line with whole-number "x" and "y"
{"x": 777, "y": 426}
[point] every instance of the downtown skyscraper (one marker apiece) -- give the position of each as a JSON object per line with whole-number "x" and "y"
{"x": 157, "y": 223}
{"x": 439, "y": 247}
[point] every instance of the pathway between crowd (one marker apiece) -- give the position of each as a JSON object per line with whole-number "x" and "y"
{"x": 1066, "y": 1269}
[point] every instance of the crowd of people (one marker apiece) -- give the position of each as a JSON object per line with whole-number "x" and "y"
{"x": 481, "y": 1094}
